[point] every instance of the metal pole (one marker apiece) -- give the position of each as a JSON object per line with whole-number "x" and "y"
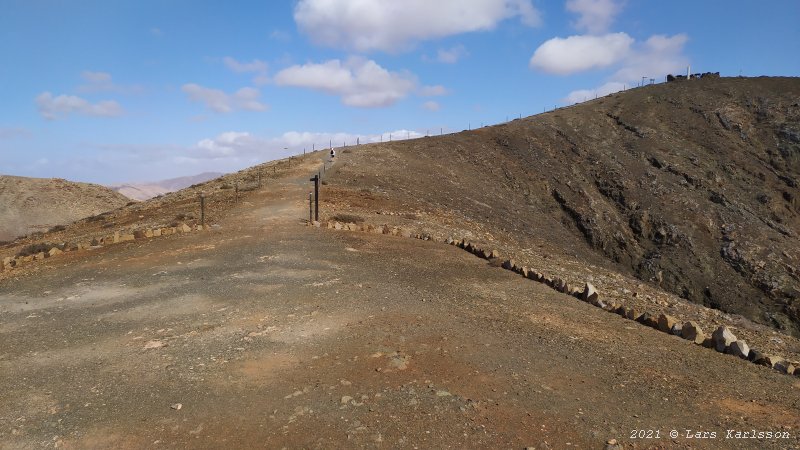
{"x": 310, "y": 207}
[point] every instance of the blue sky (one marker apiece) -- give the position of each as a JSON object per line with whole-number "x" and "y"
{"x": 144, "y": 90}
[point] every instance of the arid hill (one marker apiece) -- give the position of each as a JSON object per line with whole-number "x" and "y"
{"x": 144, "y": 191}
{"x": 691, "y": 186}
{"x": 29, "y": 205}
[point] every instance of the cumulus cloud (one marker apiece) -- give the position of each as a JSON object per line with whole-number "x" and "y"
{"x": 389, "y": 25}
{"x": 52, "y": 108}
{"x": 653, "y": 58}
{"x": 359, "y": 82}
{"x": 246, "y": 98}
{"x": 564, "y": 56}
{"x": 594, "y": 16}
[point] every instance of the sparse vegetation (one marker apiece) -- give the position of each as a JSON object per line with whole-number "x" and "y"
{"x": 56, "y": 229}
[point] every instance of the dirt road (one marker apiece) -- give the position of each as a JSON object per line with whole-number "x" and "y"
{"x": 266, "y": 333}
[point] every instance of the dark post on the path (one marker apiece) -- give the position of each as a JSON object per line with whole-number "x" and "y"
{"x": 316, "y": 196}
{"x": 203, "y": 209}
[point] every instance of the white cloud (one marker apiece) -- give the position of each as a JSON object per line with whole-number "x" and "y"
{"x": 582, "y": 95}
{"x": 390, "y": 25}
{"x": 246, "y": 98}
{"x": 594, "y": 16}
{"x": 564, "y": 56}
{"x": 654, "y": 58}
{"x": 451, "y": 55}
{"x": 241, "y": 146}
{"x": 433, "y": 91}
{"x": 359, "y": 82}
{"x": 52, "y": 108}
{"x": 431, "y": 106}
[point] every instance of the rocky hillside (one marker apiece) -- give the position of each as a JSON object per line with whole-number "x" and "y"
{"x": 29, "y": 205}
{"x": 691, "y": 186}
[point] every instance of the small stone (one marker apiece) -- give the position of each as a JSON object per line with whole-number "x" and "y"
{"x": 784, "y": 366}
{"x": 55, "y": 251}
{"x": 665, "y": 323}
{"x": 176, "y": 406}
{"x": 316, "y": 224}
{"x": 633, "y": 314}
{"x": 676, "y": 329}
{"x": 154, "y": 344}
{"x": 346, "y": 399}
{"x": 337, "y": 226}
{"x": 184, "y": 228}
{"x": 148, "y": 233}
{"x": 740, "y": 349}
{"x": 508, "y": 264}
{"x": 495, "y": 254}
{"x": 723, "y": 338}
{"x": 449, "y": 241}
{"x": 157, "y": 232}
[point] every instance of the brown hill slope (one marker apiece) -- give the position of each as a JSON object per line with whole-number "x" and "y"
{"x": 29, "y": 205}
{"x": 692, "y": 186}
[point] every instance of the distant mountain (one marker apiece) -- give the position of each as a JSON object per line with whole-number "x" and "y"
{"x": 144, "y": 191}
{"x": 29, "y": 205}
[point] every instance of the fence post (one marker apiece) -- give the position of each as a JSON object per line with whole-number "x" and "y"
{"x": 310, "y": 207}
{"x": 316, "y": 196}
{"x": 203, "y": 210}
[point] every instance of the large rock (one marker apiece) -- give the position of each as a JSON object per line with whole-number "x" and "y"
{"x": 666, "y": 322}
{"x": 723, "y": 338}
{"x": 157, "y": 232}
{"x": 184, "y": 228}
{"x": 337, "y": 226}
{"x": 148, "y": 233}
{"x": 509, "y": 264}
{"x": 691, "y": 331}
{"x": 55, "y": 251}
{"x": 590, "y": 293}
{"x": 740, "y": 349}
{"x": 495, "y": 254}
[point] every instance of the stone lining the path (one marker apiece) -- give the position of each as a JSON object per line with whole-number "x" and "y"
{"x": 721, "y": 339}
